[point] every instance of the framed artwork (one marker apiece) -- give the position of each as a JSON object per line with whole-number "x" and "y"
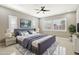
{"x": 25, "y": 23}
{"x": 60, "y": 24}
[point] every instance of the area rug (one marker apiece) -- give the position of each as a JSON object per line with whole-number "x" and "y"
{"x": 55, "y": 49}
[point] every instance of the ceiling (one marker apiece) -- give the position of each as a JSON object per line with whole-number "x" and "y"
{"x": 54, "y": 8}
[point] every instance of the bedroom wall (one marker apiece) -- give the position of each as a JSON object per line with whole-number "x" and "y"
{"x": 71, "y": 19}
{"x": 4, "y": 12}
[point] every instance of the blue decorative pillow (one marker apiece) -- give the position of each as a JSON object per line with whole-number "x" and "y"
{"x": 29, "y": 32}
{"x": 18, "y": 33}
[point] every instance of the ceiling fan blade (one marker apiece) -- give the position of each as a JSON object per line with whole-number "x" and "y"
{"x": 47, "y": 10}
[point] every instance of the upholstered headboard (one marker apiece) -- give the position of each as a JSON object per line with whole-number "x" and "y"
{"x": 17, "y": 31}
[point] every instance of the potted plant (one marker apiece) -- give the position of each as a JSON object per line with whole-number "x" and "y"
{"x": 72, "y": 30}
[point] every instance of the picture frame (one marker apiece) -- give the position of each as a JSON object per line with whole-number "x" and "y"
{"x": 24, "y": 23}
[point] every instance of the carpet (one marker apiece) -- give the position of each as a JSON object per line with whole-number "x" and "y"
{"x": 55, "y": 49}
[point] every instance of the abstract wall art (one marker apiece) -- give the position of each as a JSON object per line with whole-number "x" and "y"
{"x": 25, "y": 23}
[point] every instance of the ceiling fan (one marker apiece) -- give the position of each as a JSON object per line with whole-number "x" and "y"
{"x": 42, "y": 10}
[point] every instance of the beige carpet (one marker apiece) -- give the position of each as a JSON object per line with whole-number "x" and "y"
{"x": 65, "y": 42}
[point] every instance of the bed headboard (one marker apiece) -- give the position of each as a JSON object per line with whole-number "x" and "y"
{"x": 17, "y": 31}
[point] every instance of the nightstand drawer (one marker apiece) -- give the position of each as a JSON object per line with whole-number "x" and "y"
{"x": 10, "y": 42}
{"x": 10, "y": 39}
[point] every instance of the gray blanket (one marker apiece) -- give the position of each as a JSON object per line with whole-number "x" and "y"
{"x": 27, "y": 42}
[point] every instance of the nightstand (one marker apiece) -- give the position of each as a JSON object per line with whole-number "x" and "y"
{"x": 10, "y": 40}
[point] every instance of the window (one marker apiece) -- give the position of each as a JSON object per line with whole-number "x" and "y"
{"x": 60, "y": 24}
{"x": 54, "y": 24}
{"x": 12, "y": 23}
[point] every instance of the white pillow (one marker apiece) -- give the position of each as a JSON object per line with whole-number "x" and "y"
{"x": 21, "y": 33}
{"x": 24, "y": 33}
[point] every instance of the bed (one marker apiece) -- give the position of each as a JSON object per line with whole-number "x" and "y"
{"x": 35, "y": 42}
